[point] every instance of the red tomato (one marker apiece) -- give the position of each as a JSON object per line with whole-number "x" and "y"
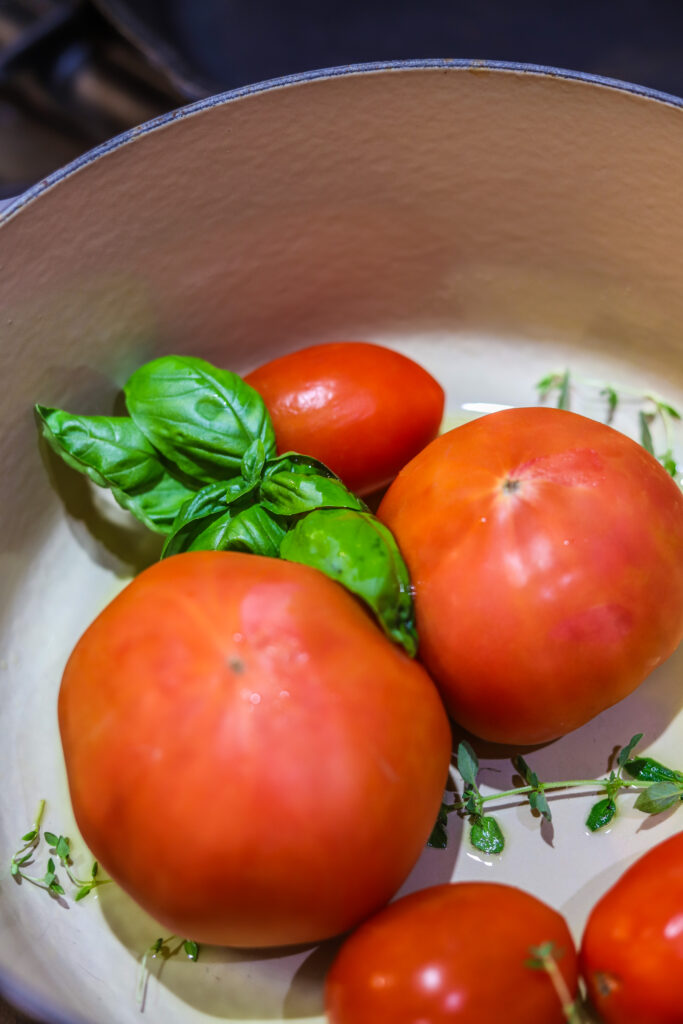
{"x": 362, "y": 409}
{"x": 546, "y": 552}
{"x": 632, "y": 948}
{"x": 452, "y": 953}
{"x": 247, "y": 755}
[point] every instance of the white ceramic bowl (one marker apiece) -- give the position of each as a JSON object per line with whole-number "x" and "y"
{"x": 494, "y": 222}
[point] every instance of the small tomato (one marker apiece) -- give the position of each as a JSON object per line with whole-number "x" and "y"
{"x": 453, "y": 953}
{"x": 362, "y": 409}
{"x": 546, "y": 553}
{"x": 247, "y": 755}
{"x": 632, "y": 947}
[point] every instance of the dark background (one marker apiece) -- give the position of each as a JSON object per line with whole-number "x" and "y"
{"x": 75, "y": 72}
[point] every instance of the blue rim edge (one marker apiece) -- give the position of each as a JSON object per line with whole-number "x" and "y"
{"x": 317, "y": 75}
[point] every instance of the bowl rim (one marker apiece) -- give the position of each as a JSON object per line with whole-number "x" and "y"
{"x": 11, "y": 988}
{"x": 314, "y": 75}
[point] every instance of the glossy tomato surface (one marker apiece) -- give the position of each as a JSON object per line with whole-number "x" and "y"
{"x": 546, "y": 552}
{"x": 452, "y": 953}
{"x": 362, "y": 409}
{"x": 632, "y": 947}
{"x": 247, "y": 755}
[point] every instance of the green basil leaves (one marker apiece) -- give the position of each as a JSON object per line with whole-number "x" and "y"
{"x": 196, "y": 460}
{"x": 201, "y": 418}
{"x": 112, "y": 452}
{"x": 354, "y": 548}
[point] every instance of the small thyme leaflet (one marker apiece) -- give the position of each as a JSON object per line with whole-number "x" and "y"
{"x": 59, "y": 847}
{"x": 162, "y": 948}
{"x": 660, "y": 788}
{"x": 653, "y": 410}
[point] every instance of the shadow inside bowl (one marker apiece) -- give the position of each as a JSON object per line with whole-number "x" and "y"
{"x": 589, "y": 752}
{"x": 248, "y": 984}
{"x": 111, "y": 536}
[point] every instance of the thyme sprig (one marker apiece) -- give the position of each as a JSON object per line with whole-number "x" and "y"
{"x": 545, "y": 957}
{"x": 163, "y": 949}
{"x": 656, "y": 415}
{"x": 660, "y": 788}
{"x": 60, "y": 847}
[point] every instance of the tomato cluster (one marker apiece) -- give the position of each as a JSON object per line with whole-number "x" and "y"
{"x": 480, "y": 953}
{"x": 252, "y": 707}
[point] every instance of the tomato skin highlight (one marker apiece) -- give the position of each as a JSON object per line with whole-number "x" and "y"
{"x": 632, "y": 946}
{"x": 362, "y": 409}
{"x": 546, "y": 552}
{"x": 247, "y": 755}
{"x": 452, "y": 953}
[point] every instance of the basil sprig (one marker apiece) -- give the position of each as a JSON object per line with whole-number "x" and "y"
{"x": 113, "y": 453}
{"x": 202, "y": 418}
{"x": 196, "y": 460}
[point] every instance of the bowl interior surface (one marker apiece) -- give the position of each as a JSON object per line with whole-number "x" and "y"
{"x": 495, "y": 225}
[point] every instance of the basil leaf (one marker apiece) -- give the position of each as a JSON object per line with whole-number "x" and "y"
{"x": 293, "y": 462}
{"x": 485, "y": 835}
{"x": 289, "y": 494}
{"x": 252, "y": 530}
{"x": 253, "y": 461}
{"x": 468, "y": 763}
{"x": 202, "y": 418}
{"x": 156, "y": 506}
{"x": 201, "y": 511}
{"x": 601, "y": 813}
{"x": 359, "y": 552}
{"x": 112, "y": 452}
{"x": 659, "y": 797}
{"x": 649, "y": 770}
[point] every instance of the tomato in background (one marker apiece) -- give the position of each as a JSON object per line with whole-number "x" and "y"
{"x": 247, "y": 755}
{"x": 632, "y": 947}
{"x": 546, "y": 553}
{"x": 362, "y": 409}
{"x": 452, "y": 953}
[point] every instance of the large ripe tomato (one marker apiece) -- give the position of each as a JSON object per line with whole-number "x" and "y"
{"x": 632, "y": 947}
{"x": 453, "y": 953}
{"x": 546, "y": 552}
{"x": 247, "y": 755}
{"x": 362, "y": 409}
